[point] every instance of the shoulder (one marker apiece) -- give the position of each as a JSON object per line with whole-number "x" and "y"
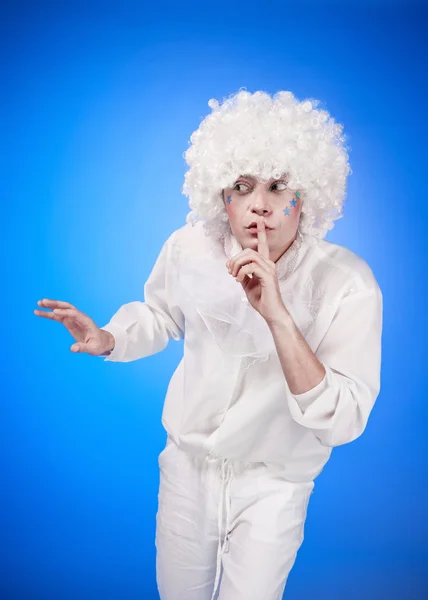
{"x": 190, "y": 240}
{"x": 343, "y": 266}
{"x": 187, "y": 232}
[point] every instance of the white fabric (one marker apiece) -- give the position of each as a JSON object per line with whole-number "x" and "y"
{"x": 228, "y": 397}
{"x": 225, "y": 499}
{"x": 225, "y": 529}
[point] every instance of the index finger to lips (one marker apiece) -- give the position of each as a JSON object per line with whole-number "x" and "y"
{"x": 262, "y": 243}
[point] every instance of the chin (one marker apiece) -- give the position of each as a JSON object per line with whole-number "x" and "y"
{"x": 251, "y": 243}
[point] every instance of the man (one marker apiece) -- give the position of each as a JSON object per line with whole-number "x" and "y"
{"x": 282, "y": 345}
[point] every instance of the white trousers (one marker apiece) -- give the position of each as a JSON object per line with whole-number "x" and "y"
{"x": 225, "y": 530}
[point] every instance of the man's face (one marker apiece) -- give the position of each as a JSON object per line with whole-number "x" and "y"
{"x": 278, "y": 206}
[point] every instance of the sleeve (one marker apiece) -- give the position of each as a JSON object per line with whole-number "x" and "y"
{"x": 144, "y": 328}
{"x": 338, "y": 408}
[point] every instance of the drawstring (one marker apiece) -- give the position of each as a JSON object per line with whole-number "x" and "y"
{"x": 226, "y": 476}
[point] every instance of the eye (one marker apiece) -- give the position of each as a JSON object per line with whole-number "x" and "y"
{"x": 237, "y": 185}
{"x": 280, "y": 183}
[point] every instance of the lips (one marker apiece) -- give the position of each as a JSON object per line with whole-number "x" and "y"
{"x": 253, "y": 226}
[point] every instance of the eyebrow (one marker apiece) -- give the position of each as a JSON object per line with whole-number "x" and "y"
{"x": 246, "y": 177}
{"x": 283, "y": 177}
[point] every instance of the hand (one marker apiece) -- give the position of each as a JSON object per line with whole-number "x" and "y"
{"x": 89, "y": 337}
{"x": 257, "y": 275}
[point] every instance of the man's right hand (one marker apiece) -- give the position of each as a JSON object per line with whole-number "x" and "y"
{"x": 89, "y": 337}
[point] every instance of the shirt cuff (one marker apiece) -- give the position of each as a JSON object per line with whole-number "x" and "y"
{"x": 119, "y": 334}
{"x": 304, "y": 400}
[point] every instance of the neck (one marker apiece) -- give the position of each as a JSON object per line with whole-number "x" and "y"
{"x": 276, "y": 254}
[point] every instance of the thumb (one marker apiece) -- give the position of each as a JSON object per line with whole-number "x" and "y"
{"x": 77, "y": 347}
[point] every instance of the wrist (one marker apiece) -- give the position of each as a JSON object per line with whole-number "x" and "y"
{"x": 109, "y": 343}
{"x": 281, "y": 320}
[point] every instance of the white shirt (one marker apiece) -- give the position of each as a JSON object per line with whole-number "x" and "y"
{"x": 228, "y": 397}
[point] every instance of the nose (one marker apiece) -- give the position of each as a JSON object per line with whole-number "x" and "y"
{"x": 261, "y": 211}
{"x": 260, "y": 205}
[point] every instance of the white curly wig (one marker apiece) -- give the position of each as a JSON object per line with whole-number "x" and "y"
{"x": 266, "y": 136}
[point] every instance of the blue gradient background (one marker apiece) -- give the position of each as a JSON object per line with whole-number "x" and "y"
{"x": 99, "y": 102}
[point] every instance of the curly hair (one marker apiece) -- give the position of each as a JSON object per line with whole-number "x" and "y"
{"x": 267, "y": 137}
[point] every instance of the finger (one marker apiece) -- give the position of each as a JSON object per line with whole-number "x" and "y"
{"x": 252, "y": 269}
{"x": 79, "y": 347}
{"x": 73, "y": 313}
{"x": 245, "y": 257}
{"x": 54, "y": 303}
{"x": 67, "y": 312}
{"x": 61, "y": 313}
{"x": 47, "y": 315}
{"x": 262, "y": 243}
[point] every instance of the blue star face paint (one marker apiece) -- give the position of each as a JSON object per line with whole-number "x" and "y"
{"x": 229, "y": 199}
{"x": 293, "y": 203}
